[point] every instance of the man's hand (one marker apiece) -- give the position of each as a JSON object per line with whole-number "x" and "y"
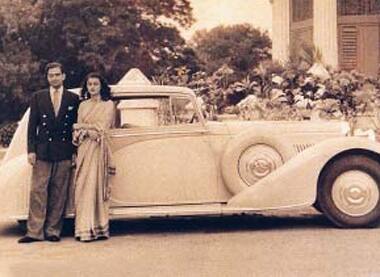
{"x": 32, "y": 158}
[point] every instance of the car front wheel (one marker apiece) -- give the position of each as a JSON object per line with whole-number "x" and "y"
{"x": 349, "y": 191}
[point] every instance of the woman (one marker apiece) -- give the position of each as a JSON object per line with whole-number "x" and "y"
{"x": 93, "y": 164}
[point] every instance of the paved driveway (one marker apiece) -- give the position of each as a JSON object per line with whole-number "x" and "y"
{"x": 298, "y": 243}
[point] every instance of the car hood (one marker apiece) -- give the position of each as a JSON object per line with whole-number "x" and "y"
{"x": 287, "y": 127}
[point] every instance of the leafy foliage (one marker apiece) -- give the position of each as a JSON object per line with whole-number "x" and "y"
{"x": 273, "y": 92}
{"x": 241, "y": 47}
{"x": 18, "y": 67}
{"x": 86, "y": 35}
{"x": 109, "y": 36}
{"x": 6, "y": 133}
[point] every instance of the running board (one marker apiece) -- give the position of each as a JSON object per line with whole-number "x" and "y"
{"x": 217, "y": 209}
{"x": 165, "y": 211}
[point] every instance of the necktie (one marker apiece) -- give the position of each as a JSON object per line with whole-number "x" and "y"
{"x": 56, "y": 101}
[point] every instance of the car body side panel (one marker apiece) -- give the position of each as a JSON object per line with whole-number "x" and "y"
{"x": 295, "y": 183}
{"x": 161, "y": 169}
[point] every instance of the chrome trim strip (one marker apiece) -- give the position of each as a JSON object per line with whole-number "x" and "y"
{"x": 152, "y": 133}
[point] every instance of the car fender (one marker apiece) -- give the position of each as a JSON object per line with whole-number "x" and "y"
{"x": 14, "y": 187}
{"x": 295, "y": 183}
{"x": 236, "y": 147}
{"x": 18, "y": 144}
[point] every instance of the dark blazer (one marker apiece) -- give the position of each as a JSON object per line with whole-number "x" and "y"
{"x": 50, "y": 136}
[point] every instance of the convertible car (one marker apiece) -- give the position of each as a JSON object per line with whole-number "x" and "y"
{"x": 170, "y": 161}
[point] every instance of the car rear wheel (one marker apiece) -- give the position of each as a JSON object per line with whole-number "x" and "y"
{"x": 349, "y": 191}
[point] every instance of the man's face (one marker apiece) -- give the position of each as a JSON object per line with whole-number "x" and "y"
{"x": 55, "y": 77}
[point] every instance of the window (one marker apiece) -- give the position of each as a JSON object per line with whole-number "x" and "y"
{"x": 184, "y": 111}
{"x": 302, "y": 10}
{"x": 155, "y": 111}
{"x": 374, "y": 7}
{"x": 358, "y": 7}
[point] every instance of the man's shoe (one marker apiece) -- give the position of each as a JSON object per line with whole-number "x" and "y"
{"x": 53, "y": 238}
{"x": 27, "y": 239}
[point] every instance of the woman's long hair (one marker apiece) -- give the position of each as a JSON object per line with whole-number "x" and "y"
{"x": 105, "y": 90}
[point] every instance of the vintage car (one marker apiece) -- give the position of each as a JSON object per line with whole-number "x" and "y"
{"x": 170, "y": 161}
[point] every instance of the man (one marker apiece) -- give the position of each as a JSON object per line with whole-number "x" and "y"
{"x": 53, "y": 112}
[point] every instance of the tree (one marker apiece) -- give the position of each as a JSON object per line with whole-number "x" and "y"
{"x": 110, "y": 36}
{"x": 18, "y": 68}
{"x": 241, "y": 47}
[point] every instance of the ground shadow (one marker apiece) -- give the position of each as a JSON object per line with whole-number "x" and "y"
{"x": 217, "y": 224}
{"x": 236, "y": 223}
{"x": 12, "y": 230}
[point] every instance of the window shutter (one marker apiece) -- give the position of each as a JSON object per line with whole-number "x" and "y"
{"x": 348, "y": 47}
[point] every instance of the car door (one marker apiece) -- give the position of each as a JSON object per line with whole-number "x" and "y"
{"x": 163, "y": 157}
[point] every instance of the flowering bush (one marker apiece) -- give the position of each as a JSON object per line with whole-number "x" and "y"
{"x": 274, "y": 92}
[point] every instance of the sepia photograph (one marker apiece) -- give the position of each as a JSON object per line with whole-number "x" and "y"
{"x": 189, "y": 138}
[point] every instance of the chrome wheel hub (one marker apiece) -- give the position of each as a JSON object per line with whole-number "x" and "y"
{"x": 257, "y": 162}
{"x": 355, "y": 193}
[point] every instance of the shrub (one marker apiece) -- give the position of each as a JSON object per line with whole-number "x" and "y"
{"x": 293, "y": 92}
{"x": 6, "y": 133}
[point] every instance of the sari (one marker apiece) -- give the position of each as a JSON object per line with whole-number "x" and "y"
{"x": 93, "y": 169}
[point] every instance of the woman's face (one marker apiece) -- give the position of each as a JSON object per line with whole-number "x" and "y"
{"x": 93, "y": 86}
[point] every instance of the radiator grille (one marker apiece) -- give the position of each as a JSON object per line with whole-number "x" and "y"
{"x": 300, "y": 147}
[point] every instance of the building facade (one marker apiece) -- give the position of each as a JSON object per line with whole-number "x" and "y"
{"x": 345, "y": 32}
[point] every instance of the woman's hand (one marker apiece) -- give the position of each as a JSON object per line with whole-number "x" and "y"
{"x": 78, "y": 136}
{"x": 78, "y": 126}
{"x": 85, "y": 126}
{"x": 93, "y": 134}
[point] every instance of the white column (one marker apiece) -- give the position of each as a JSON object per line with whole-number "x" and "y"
{"x": 325, "y": 25}
{"x": 280, "y": 30}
